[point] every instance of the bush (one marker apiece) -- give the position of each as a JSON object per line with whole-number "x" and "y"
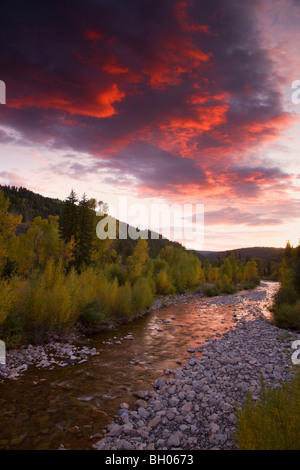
{"x": 123, "y": 304}
{"x": 228, "y": 288}
{"x": 48, "y": 301}
{"x": 7, "y": 300}
{"x": 142, "y": 295}
{"x": 273, "y": 422}
{"x": 164, "y": 285}
{"x": 287, "y": 316}
{"x": 12, "y": 294}
{"x": 286, "y": 294}
{"x": 91, "y": 313}
{"x": 212, "y": 291}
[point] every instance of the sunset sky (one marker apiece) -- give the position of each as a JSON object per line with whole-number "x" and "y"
{"x": 160, "y": 101}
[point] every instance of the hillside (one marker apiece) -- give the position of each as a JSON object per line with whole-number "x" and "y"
{"x": 264, "y": 253}
{"x": 268, "y": 258}
{"x": 30, "y": 205}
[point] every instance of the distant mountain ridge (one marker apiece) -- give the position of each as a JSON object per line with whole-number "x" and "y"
{"x": 266, "y": 254}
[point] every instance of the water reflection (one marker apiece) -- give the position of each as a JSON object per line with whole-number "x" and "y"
{"x": 45, "y": 409}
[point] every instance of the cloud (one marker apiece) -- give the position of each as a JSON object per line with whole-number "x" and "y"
{"x": 12, "y": 179}
{"x": 174, "y": 96}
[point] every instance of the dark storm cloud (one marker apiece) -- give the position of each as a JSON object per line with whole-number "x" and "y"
{"x": 139, "y": 85}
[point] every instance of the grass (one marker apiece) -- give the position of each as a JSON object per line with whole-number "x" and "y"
{"x": 273, "y": 422}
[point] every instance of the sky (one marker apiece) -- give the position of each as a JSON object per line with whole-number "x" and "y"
{"x": 160, "y": 102}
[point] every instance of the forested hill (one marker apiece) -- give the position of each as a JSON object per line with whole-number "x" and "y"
{"x": 30, "y": 205}
{"x": 268, "y": 259}
{"x": 263, "y": 253}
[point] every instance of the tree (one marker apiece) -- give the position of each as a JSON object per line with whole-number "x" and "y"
{"x": 32, "y": 249}
{"x": 296, "y": 270}
{"x": 8, "y": 224}
{"x": 226, "y": 270}
{"x": 86, "y": 233}
{"x": 69, "y": 218}
{"x": 138, "y": 260}
{"x": 78, "y": 227}
{"x": 250, "y": 272}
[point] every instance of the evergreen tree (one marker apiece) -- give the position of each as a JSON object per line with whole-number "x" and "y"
{"x": 69, "y": 218}
{"x": 86, "y": 233}
{"x": 296, "y": 271}
{"x": 288, "y": 251}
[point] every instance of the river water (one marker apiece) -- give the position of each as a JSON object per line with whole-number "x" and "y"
{"x": 45, "y": 409}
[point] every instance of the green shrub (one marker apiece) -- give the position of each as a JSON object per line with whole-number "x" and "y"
{"x": 273, "y": 422}
{"x": 116, "y": 271}
{"x": 228, "y": 288}
{"x": 181, "y": 290}
{"x": 286, "y": 294}
{"x": 123, "y": 305}
{"x": 212, "y": 291}
{"x": 91, "y": 313}
{"x": 287, "y": 316}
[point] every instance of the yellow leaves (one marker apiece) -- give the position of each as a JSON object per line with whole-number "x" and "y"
{"x": 48, "y": 301}
{"x": 138, "y": 260}
{"x": 7, "y": 300}
{"x": 250, "y": 272}
{"x": 11, "y": 296}
{"x": 40, "y": 242}
{"x": 163, "y": 284}
{"x": 8, "y": 224}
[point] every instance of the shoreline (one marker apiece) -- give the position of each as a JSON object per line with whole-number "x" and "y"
{"x": 70, "y": 347}
{"x": 195, "y": 408}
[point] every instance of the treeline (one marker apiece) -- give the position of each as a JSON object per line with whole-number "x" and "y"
{"x": 286, "y": 308}
{"x": 57, "y": 273}
{"x": 29, "y": 204}
{"x": 268, "y": 259}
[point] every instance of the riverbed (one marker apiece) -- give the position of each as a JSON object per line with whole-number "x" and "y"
{"x": 69, "y": 407}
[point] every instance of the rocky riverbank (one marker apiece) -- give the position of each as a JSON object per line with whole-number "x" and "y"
{"x": 68, "y": 349}
{"x": 194, "y": 406}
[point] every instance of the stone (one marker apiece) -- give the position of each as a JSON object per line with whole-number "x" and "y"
{"x": 186, "y": 408}
{"x": 142, "y": 412}
{"x": 154, "y": 422}
{"x": 214, "y": 428}
{"x": 173, "y": 441}
{"x": 141, "y": 404}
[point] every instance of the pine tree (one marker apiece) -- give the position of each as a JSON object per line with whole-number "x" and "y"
{"x": 296, "y": 270}
{"x": 86, "y": 233}
{"x": 69, "y": 218}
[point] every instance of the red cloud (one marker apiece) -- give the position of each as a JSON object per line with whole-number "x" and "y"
{"x": 186, "y": 23}
{"x": 112, "y": 66}
{"x": 97, "y": 104}
{"x": 93, "y": 35}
